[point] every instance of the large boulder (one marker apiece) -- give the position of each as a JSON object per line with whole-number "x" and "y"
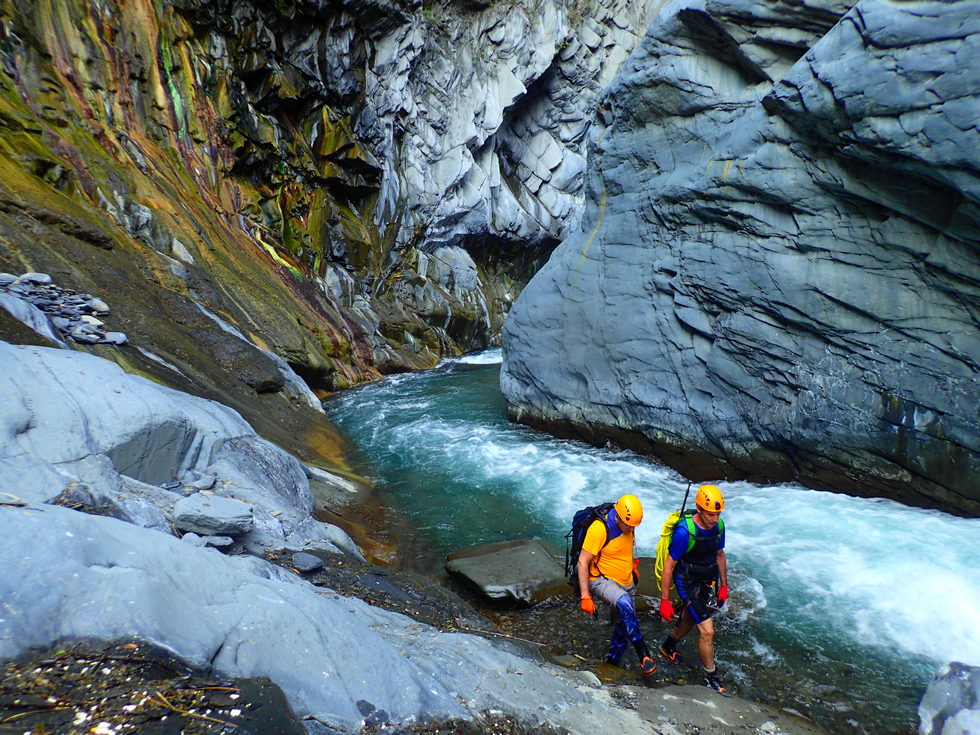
{"x": 523, "y": 571}
{"x": 77, "y": 429}
{"x": 777, "y": 275}
{"x": 951, "y": 704}
{"x": 213, "y": 515}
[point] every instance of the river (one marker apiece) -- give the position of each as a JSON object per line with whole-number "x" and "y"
{"x": 841, "y": 607}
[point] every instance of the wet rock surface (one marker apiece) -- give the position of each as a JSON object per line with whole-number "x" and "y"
{"x": 409, "y": 593}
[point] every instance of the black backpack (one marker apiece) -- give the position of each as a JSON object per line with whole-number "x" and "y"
{"x": 574, "y": 538}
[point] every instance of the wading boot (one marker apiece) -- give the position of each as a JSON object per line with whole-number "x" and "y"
{"x": 669, "y": 649}
{"x": 711, "y": 680}
{"x": 647, "y": 664}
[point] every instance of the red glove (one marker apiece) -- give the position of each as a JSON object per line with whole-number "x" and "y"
{"x": 666, "y": 610}
{"x": 588, "y": 605}
{"x": 636, "y": 571}
{"x": 722, "y": 594}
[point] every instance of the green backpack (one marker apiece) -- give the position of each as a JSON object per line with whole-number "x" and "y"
{"x": 667, "y": 534}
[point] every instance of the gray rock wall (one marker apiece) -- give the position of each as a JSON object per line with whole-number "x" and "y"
{"x": 478, "y": 114}
{"x": 452, "y": 135}
{"x": 777, "y": 276}
{"x": 478, "y": 118}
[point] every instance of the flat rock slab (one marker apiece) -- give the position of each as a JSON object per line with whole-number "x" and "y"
{"x": 213, "y": 515}
{"x": 522, "y": 570}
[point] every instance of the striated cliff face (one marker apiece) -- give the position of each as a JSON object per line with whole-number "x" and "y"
{"x": 777, "y": 276}
{"x": 355, "y": 188}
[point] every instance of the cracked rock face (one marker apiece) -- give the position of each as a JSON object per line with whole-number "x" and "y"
{"x": 459, "y": 126}
{"x": 359, "y": 188}
{"x": 777, "y": 273}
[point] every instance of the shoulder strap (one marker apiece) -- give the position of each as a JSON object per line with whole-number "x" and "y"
{"x": 605, "y": 530}
{"x": 691, "y": 532}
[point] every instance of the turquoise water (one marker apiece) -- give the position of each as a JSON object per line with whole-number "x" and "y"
{"x": 842, "y": 607}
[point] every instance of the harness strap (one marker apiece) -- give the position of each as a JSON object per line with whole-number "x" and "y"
{"x": 692, "y": 531}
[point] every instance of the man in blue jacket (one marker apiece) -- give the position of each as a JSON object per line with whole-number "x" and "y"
{"x": 696, "y": 565}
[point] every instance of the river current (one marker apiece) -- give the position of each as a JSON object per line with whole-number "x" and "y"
{"x": 842, "y": 607}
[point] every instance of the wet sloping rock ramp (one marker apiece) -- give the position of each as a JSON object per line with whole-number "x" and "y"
{"x": 70, "y": 575}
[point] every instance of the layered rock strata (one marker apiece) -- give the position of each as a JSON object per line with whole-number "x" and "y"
{"x": 358, "y": 188}
{"x": 777, "y": 276}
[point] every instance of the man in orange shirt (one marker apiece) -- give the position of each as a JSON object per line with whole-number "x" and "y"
{"x": 606, "y": 567}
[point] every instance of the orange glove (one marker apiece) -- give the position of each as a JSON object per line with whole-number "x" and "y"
{"x": 722, "y": 594}
{"x": 588, "y": 606}
{"x": 636, "y": 571}
{"x": 666, "y": 610}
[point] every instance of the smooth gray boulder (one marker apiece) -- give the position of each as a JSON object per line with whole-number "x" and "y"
{"x": 75, "y": 427}
{"x": 777, "y": 274}
{"x": 524, "y": 571}
{"x": 306, "y": 562}
{"x": 69, "y": 574}
{"x": 951, "y": 704}
{"x": 213, "y": 515}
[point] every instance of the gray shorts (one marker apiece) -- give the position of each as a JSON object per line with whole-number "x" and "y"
{"x": 609, "y": 591}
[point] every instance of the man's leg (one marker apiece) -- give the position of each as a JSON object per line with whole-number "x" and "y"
{"x": 610, "y": 592}
{"x": 706, "y": 644}
{"x": 626, "y": 609}
{"x": 669, "y": 647}
{"x": 706, "y": 649}
{"x": 683, "y": 626}
{"x": 626, "y": 624}
{"x": 617, "y": 644}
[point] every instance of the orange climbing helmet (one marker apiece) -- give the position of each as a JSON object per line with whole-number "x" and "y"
{"x": 709, "y": 498}
{"x": 630, "y": 510}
